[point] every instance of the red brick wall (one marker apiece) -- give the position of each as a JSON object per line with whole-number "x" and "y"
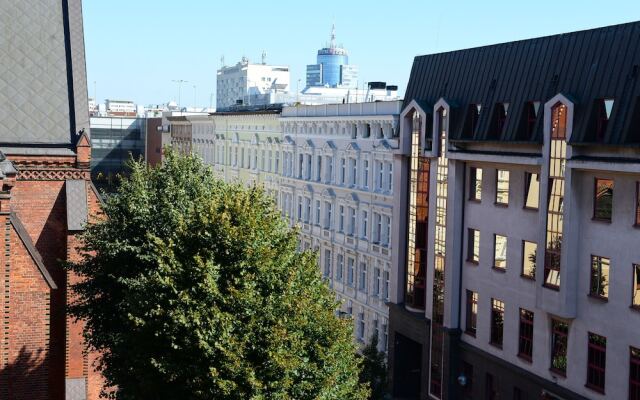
{"x": 25, "y": 371}
{"x": 41, "y": 206}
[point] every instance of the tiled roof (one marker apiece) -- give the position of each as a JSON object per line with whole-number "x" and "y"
{"x": 586, "y": 66}
{"x": 43, "y": 88}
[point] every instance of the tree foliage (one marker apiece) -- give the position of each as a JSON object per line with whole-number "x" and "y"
{"x": 193, "y": 289}
{"x": 374, "y": 370}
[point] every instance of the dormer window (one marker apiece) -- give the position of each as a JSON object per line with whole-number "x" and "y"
{"x": 498, "y": 120}
{"x": 471, "y": 121}
{"x": 603, "y": 108}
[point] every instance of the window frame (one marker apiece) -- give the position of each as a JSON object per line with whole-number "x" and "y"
{"x": 634, "y": 381}
{"x": 497, "y": 308}
{"x": 471, "y": 313}
{"x": 523, "y": 339}
{"x": 475, "y": 195}
{"x": 495, "y": 247}
{"x": 592, "y": 293}
{"x": 596, "y": 349}
{"x": 497, "y": 183}
{"x": 524, "y": 260}
{"x": 528, "y": 177}
{"x": 471, "y": 246}
{"x": 595, "y": 216}
{"x": 561, "y": 333}
{"x": 635, "y": 287}
{"x": 637, "y": 213}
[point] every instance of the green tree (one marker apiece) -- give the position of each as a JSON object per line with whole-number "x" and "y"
{"x": 193, "y": 289}
{"x": 374, "y": 369}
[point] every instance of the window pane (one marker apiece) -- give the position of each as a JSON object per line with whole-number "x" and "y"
{"x": 500, "y": 252}
{"x": 525, "y": 342}
{"x": 475, "y": 183}
{"x": 473, "y": 246}
{"x": 603, "y": 198}
{"x": 502, "y": 187}
{"x": 559, "y": 342}
{"x": 532, "y": 190}
{"x": 599, "y": 276}
{"x": 636, "y": 285}
{"x": 529, "y": 250}
{"x": 596, "y": 362}
{"x": 497, "y": 322}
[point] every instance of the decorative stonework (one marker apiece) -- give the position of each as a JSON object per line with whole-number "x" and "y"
{"x": 52, "y": 174}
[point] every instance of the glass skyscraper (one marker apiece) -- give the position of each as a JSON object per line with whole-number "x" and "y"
{"x": 332, "y": 68}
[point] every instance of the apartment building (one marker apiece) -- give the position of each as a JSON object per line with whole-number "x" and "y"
{"x": 520, "y": 271}
{"x": 337, "y": 183}
{"x": 330, "y": 168}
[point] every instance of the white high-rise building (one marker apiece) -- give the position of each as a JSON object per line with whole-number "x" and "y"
{"x": 246, "y": 83}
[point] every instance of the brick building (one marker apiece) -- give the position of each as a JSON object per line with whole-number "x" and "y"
{"x": 46, "y": 199}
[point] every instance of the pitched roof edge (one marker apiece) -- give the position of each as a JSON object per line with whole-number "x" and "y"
{"x": 31, "y": 248}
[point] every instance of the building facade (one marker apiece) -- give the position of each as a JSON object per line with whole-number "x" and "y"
{"x": 46, "y": 201}
{"x": 332, "y": 68}
{"x": 246, "y": 84}
{"x": 519, "y": 276}
{"x": 330, "y": 169}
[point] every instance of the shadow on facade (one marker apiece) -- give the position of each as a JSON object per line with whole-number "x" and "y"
{"x": 26, "y": 377}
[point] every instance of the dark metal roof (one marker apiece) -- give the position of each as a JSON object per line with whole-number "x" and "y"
{"x": 43, "y": 84}
{"x": 586, "y": 66}
{"x": 77, "y": 209}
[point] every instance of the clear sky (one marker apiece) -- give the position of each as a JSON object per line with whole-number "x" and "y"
{"x": 135, "y": 48}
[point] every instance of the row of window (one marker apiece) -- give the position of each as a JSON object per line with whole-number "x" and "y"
{"x": 596, "y": 346}
{"x": 602, "y": 197}
{"x": 529, "y": 250}
{"x": 532, "y": 187}
{"x": 380, "y": 327}
{"x": 348, "y": 220}
{"x": 352, "y": 171}
{"x": 599, "y": 273}
{"x": 355, "y": 130}
{"x": 379, "y": 283}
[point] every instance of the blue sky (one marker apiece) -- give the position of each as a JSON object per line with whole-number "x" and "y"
{"x": 134, "y": 49}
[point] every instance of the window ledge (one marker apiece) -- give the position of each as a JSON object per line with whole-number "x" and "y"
{"x": 478, "y": 201}
{"x": 525, "y": 358}
{"x": 474, "y": 262}
{"x": 602, "y": 220}
{"x": 533, "y": 209}
{"x": 496, "y": 345}
{"x": 551, "y": 287}
{"x": 598, "y": 297}
{"x": 555, "y": 371}
{"x": 504, "y": 205}
{"x": 472, "y": 334}
{"x": 499, "y": 269}
{"x": 635, "y": 307}
{"x": 528, "y": 277}
{"x": 594, "y": 388}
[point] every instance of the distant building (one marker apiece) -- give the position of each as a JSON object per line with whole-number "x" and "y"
{"x": 241, "y": 83}
{"x": 332, "y": 68}
{"x": 122, "y": 108}
{"x": 114, "y": 140}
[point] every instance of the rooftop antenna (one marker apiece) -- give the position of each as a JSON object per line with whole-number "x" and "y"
{"x": 264, "y": 57}
{"x": 332, "y": 44}
{"x": 222, "y": 60}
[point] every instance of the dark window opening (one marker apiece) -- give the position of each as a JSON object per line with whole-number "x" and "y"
{"x": 603, "y": 199}
{"x": 596, "y": 362}
{"x": 467, "y": 371}
{"x": 632, "y": 134}
{"x": 497, "y": 322}
{"x": 471, "y": 120}
{"x": 599, "y": 120}
{"x": 635, "y": 300}
{"x": 475, "y": 184}
{"x": 528, "y": 119}
{"x": 525, "y": 342}
{"x": 637, "y": 203}
{"x": 634, "y": 374}
{"x": 559, "y": 344}
{"x": 531, "y": 190}
{"x": 490, "y": 387}
{"x": 498, "y": 120}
